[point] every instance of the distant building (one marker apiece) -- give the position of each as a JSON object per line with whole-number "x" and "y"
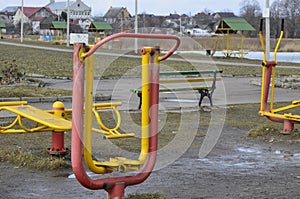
{"x": 32, "y": 14}
{"x": 119, "y": 18}
{"x": 78, "y": 9}
{"x": 115, "y": 14}
{"x": 9, "y": 11}
{"x": 221, "y": 15}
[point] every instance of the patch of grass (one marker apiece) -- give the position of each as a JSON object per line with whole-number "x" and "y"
{"x": 31, "y": 91}
{"x": 23, "y": 159}
{"x": 59, "y": 64}
{"x": 263, "y": 130}
{"x": 146, "y": 196}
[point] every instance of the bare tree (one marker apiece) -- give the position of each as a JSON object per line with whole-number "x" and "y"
{"x": 251, "y": 11}
{"x": 276, "y": 13}
{"x": 291, "y": 11}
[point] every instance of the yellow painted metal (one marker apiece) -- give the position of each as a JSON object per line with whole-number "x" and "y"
{"x": 145, "y": 104}
{"x": 296, "y": 102}
{"x": 263, "y": 72}
{"x": 110, "y": 133}
{"x": 95, "y": 166}
{"x": 291, "y": 106}
{"x": 13, "y": 103}
{"x": 288, "y": 116}
{"x": 277, "y": 46}
{"x": 37, "y": 115}
{"x": 275, "y": 112}
{"x": 263, "y": 46}
{"x": 88, "y": 117}
{"x": 120, "y": 163}
{"x": 46, "y": 120}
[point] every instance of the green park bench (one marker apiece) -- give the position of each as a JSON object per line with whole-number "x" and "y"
{"x": 187, "y": 80}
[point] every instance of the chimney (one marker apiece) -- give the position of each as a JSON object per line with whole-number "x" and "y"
{"x": 52, "y": 1}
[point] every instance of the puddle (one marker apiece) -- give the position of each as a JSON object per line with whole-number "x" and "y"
{"x": 251, "y": 160}
{"x": 249, "y": 150}
{"x": 90, "y": 174}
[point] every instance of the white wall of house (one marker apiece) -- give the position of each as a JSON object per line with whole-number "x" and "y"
{"x": 79, "y": 10}
{"x": 18, "y": 17}
{"x": 35, "y": 26}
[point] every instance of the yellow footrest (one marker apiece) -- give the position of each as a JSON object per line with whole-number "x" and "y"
{"x": 120, "y": 164}
{"x": 127, "y": 135}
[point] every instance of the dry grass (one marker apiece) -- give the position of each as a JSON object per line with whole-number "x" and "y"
{"x": 32, "y": 91}
{"x": 20, "y": 158}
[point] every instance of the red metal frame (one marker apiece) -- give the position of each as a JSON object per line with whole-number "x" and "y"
{"x": 114, "y": 185}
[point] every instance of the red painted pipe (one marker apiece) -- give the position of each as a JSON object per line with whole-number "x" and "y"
{"x": 267, "y": 81}
{"x": 133, "y": 35}
{"x": 110, "y": 184}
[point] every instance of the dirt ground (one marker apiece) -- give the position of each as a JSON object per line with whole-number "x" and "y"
{"x": 237, "y": 167}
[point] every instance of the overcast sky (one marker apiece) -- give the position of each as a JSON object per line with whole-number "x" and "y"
{"x": 158, "y": 7}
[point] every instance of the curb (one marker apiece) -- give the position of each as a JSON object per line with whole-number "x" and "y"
{"x": 50, "y": 99}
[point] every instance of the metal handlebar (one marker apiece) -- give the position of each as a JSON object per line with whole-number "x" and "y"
{"x": 133, "y": 35}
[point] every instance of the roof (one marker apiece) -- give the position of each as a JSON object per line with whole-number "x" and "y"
{"x": 99, "y": 26}
{"x": 10, "y": 9}
{"x": 225, "y": 14}
{"x": 58, "y": 25}
{"x": 113, "y": 12}
{"x": 29, "y": 11}
{"x": 2, "y": 24}
{"x": 59, "y": 5}
{"x": 232, "y": 25}
{"x": 39, "y": 18}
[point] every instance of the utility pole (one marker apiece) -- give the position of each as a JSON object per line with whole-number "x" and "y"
{"x": 22, "y": 21}
{"x": 267, "y": 16}
{"x": 68, "y": 23}
{"x": 136, "y": 27}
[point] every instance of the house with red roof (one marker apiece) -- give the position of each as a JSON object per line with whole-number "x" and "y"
{"x": 33, "y": 16}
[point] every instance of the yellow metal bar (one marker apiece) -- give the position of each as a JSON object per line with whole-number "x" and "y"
{"x": 263, "y": 46}
{"x": 18, "y": 103}
{"x": 10, "y": 125}
{"x": 287, "y": 116}
{"x": 88, "y": 119}
{"x": 145, "y": 104}
{"x": 277, "y": 46}
{"x": 98, "y": 118}
{"x": 284, "y": 108}
{"x": 227, "y": 41}
{"x": 106, "y": 105}
{"x": 262, "y": 88}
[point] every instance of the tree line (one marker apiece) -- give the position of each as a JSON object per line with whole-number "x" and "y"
{"x": 289, "y": 10}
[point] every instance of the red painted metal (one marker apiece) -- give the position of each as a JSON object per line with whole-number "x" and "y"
{"x": 267, "y": 81}
{"x": 132, "y": 35}
{"x": 58, "y": 137}
{"x": 114, "y": 185}
{"x": 288, "y": 124}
